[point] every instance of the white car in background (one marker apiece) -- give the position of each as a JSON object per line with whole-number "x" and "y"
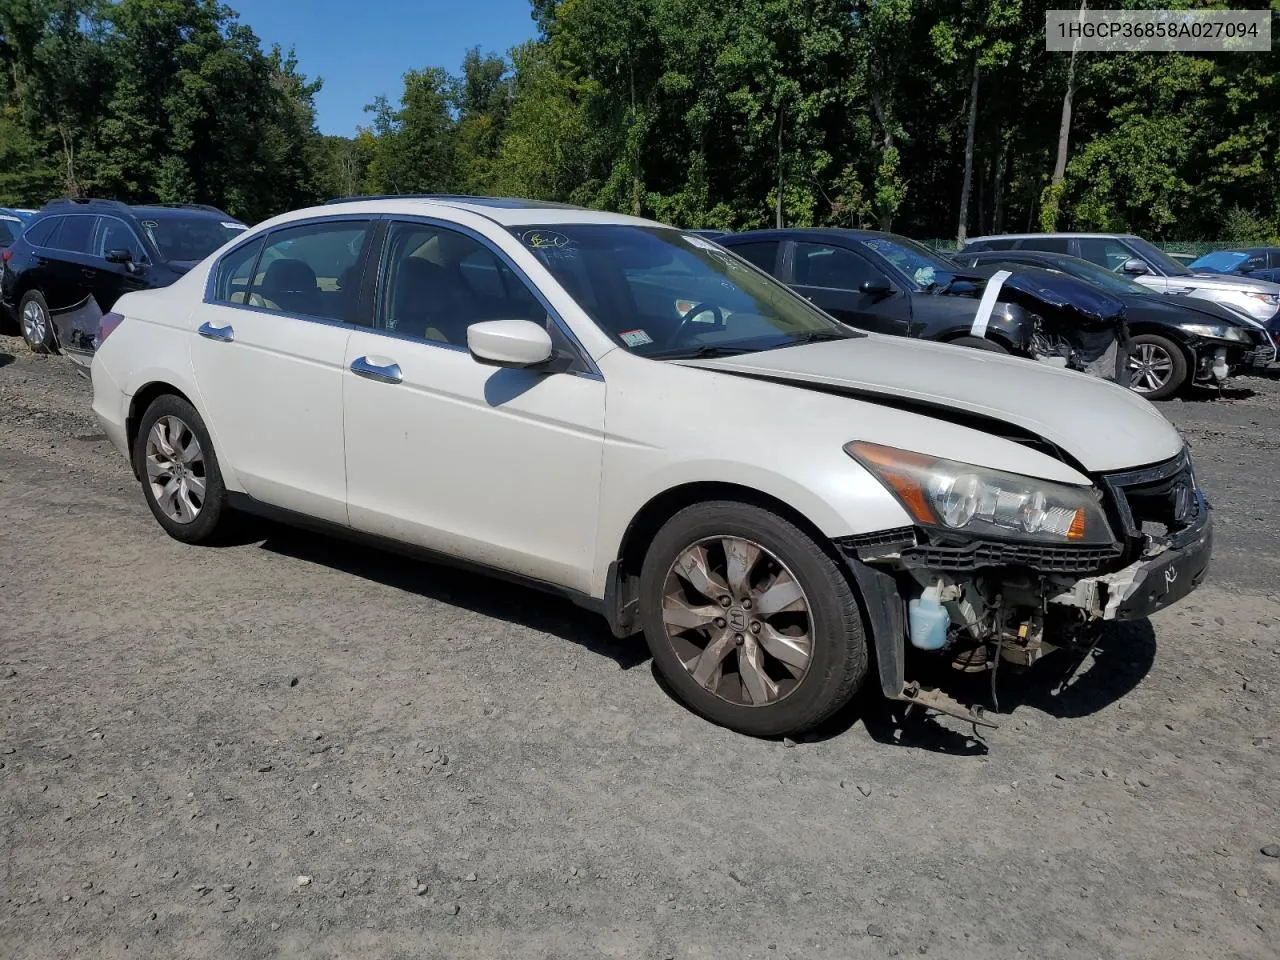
{"x": 632, "y": 416}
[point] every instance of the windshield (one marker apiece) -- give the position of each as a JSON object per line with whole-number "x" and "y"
{"x": 10, "y": 230}
{"x": 925, "y": 268}
{"x": 189, "y": 238}
{"x": 662, "y": 293}
{"x": 1102, "y": 277}
{"x": 1220, "y": 261}
{"x": 1158, "y": 258}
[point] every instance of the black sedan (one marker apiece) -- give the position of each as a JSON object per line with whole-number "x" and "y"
{"x": 1174, "y": 340}
{"x": 885, "y": 283}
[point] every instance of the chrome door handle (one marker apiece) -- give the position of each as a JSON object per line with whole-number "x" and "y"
{"x": 383, "y": 373}
{"x": 221, "y": 334}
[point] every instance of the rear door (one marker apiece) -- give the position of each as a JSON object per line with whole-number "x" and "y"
{"x": 268, "y": 359}
{"x": 831, "y": 276}
{"x": 70, "y": 271}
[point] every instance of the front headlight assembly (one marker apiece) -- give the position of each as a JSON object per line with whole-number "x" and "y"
{"x": 965, "y": 498}
{"x": 1216, "y": 331}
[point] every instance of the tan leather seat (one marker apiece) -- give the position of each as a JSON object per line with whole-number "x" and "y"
{"x": 292, "y": 285}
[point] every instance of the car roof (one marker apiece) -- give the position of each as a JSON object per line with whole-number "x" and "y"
{"x": 506, "y": 211}
{"x": 831, "y": 233}
{"x": 1030, "y": 236}
{"x": 152, "y": 212}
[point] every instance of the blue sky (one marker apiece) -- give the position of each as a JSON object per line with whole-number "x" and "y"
{"x": 361, "y": 49}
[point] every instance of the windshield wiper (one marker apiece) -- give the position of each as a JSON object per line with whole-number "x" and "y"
{"x": 813, "y": 336}
{"x": 699, "y": 352}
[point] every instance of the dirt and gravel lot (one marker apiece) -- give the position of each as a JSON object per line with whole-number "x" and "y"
{"x": 295, "y": 747}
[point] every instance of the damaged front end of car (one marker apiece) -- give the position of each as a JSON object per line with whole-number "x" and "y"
{"x": 999, "y": 568}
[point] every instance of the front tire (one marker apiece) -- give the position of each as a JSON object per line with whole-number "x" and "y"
{"x": 36, "y": 324}
{"x": 1157, "y": 366}
{"x": 750, "y": 621}
{"x": 181, "y": 481}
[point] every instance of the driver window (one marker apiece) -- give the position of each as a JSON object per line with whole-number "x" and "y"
{"x": 822, "y": 265}
{"x": 115, "y": 234}
{"x": 1107, "y": 253}
{"x": 435, "y": 283}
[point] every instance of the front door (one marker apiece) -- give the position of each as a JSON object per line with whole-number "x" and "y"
{"x": 496, "y": 466}
{"x": 114, "y": 280}
{"x": 269, "y": 360}
{"x": 832, "y": 277}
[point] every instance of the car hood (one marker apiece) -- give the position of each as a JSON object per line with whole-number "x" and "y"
{"x": 1102, "y": 426}
{"x": 1171, "y": 308}
{"x": 1222, "y": 281}
{"x": 181, "y": 266}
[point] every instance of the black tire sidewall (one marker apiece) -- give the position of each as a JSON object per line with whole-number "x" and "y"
{"x": 1177, "y": 381}
{"x": 839, "y": 655}
{"x": 212, "y": 513}
{"x": 49, "y": 344}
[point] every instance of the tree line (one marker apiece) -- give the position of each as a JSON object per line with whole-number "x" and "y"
{"x": 934, "y": 118}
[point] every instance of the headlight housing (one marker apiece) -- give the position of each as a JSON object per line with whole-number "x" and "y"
{"x": 1270, "y": 299}
{"x": 1216, "y": 331}
{"x": 964, "y": 498}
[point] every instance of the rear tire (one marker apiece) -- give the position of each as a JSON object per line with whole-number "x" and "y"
{"x": 785, "y": 652}
{"x": 36, "y": 324}
{"x": 181, "y": 480}
{"x": 1157, "y": 366}
{"x": 979, "y": 343}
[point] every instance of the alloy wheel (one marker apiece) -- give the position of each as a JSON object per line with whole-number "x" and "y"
{"x": 1151, "y": 366}
{"x": 175, "y": 469}
{"x": 35, "y": 325}
{"x": 738, "y": 619}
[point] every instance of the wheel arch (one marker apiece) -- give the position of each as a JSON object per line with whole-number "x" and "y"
{"x": 994, "y": 334}
{"x": 622, "y": 582}
{"x": 138, "y": 404}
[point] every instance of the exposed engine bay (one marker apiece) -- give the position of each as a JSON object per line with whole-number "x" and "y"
{"x": 979, "y": 603}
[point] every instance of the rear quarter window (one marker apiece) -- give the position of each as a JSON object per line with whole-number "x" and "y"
{"x": 41, "y": 232}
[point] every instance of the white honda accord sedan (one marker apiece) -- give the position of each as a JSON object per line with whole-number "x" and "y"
{"x": 630, "y": 415}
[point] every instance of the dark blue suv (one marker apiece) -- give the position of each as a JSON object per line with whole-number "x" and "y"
{"x": 77, "y": 257}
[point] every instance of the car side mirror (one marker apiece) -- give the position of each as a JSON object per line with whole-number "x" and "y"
{"x": 1136, "y": 267}
{"x": 519, "y": 344}
{"x": 879, "y": 287}
{"x": 119, "y": 256}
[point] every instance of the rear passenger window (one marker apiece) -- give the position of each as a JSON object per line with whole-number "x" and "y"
{"x": 76, "y": 234}
{"x": 763, "y": 254}
{"x": 312, "y": 270}
{"x": 978, "y": 245}
{"x": 231, "y": 283}
{"x": 1047, "y": 244}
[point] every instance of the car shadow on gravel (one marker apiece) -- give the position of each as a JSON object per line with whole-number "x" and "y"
{"x": 488, "y": 596}
{"x": 6, "y": 359}
{"x": 1063, "y": 685}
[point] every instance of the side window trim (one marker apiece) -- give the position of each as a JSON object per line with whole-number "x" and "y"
{"x": 211, "y": 279}
{"x": 566, "y": 335}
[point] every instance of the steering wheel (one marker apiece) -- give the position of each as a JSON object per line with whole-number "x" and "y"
{"x": 687, "y": 318}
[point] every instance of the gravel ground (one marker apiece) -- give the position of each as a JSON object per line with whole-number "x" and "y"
{"x": 295, "y": 747}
